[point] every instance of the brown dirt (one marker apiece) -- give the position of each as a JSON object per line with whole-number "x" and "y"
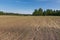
{"x": 29, "y": 28}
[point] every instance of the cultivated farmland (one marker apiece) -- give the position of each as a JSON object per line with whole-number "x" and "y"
{"x": 29, "y": 28}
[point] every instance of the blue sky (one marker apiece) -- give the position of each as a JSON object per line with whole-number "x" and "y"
{"x": 27, "y": 6}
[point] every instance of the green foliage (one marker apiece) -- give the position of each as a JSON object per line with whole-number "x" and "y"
{"x": 3, "y": 13}
{"x": 40, "y": 11}
{"x": 48, "y": 12}
{"x": 35, "y": 13}
{"x": 44, "y": 13}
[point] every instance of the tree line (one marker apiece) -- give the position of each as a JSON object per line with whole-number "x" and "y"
{"x": 17, "y": 14}
{"x": 48, "y": 12}
{"x": 37, "y": 12}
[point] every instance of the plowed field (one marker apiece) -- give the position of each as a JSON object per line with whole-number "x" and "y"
{"x": 29, "y": 28}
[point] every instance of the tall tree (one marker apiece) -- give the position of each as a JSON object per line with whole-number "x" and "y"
{"x": 44, "y": 13}
{"x": 1, "y": 13}
{"x": 49, "y": 12}
{"x": 35, "y": 13}
{"x": 40, "y": 11}
{"x": 57, "y": 12}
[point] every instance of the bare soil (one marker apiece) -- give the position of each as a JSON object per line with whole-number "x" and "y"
{"x": 29, "y": 28}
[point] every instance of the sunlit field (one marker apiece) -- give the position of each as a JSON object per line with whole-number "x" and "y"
{"x": 29, "y": 27}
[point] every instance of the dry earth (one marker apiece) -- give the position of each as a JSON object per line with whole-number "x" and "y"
{"x": 29, "y": 28}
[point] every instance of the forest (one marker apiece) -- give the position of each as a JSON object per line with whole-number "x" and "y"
{"x": 37, "y": 12}
{"x": 47, "y": 12}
